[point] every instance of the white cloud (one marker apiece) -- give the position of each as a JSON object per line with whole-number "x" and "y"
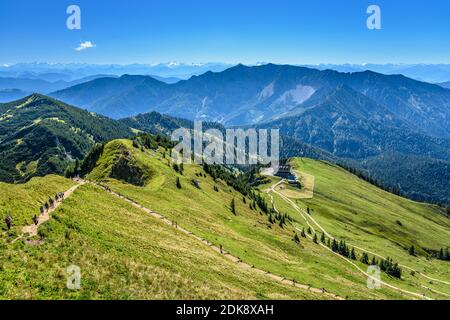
{"x": 85, "y": 45}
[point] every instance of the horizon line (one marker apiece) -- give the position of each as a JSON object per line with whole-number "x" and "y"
{"x": 200, "y": 64}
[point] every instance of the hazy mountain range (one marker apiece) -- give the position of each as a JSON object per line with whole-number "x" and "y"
{"x": 24, "y": 86}
{"x": 433, "y": 73}
{"x": 244, "y": 95}
{"x": 366, "y": 118}
{"x": 73, "y": 71}
{"x": 12, "y": 88}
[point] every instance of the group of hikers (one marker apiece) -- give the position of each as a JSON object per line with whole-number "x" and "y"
{"x": 50, "y": 204}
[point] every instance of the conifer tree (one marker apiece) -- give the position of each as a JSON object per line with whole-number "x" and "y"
{"x": 303, "y": 233}
{"x": 233, "y": 206}
{"x": 352, "y": 254}
{"x": 441, "y": 254}
{"x": 374, "y": 261}
{"x": 334, "y": 246}
{"x": 77, "y": 167}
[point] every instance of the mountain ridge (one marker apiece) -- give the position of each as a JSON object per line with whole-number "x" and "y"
{"x": 40, "y": 135}
{"x": 270, "y": 90}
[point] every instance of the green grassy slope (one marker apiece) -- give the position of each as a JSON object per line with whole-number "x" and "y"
{"x": 368, "y": 217}
{"x": 248, "y": 235}
{"x": 343, "y": 202}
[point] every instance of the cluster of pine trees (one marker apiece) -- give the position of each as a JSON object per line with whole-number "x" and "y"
{"x": 340, "y": 248}
{"x": 152, "y": 142}
{"x": 242, "y": 182}
{"x": 280, "y": 218}
{"x": 390, "y": 267}
{"x": 259, "y": 201}
{"x": 274, "y": 217}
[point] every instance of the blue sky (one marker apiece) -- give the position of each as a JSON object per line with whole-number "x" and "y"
{"x": 247, "y": 31}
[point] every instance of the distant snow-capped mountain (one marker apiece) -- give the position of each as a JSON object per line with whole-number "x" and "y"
{"x": 73, "y": 71}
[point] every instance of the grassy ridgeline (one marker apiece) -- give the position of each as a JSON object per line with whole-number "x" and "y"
{"x": 22, "y": 201}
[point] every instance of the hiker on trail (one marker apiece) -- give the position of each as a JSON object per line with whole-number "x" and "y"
{"x": 35, "y": 220}
{"x": 221, "y": 249}
{"x": 50, "y": 201}
{"x": 42, "y": 210}
{"x": 8, "y": 221}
